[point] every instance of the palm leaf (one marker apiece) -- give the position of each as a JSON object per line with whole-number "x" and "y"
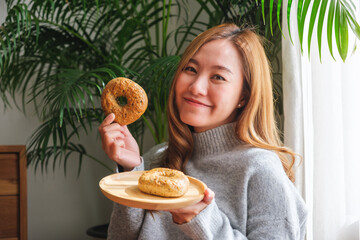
{"x": 288, "y": 17}
{"x": 40, "y": 149}
{"x": 330, "y": 23}
{"x": 278, "y": 16}
{"x": 340, "y": 15}
{"x": 343, "y": 34}
{"x": 320, "y": 24}
{"x": 314, "y": 13}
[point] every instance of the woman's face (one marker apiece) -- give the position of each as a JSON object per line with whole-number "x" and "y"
{"x": 208, "y": 90}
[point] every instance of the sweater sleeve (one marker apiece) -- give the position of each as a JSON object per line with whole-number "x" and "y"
{"x": 125, "y": 222}
{"x": 274, "y": 207}
{"x": 211, "y": 223}
{"x": 274, "y": 211}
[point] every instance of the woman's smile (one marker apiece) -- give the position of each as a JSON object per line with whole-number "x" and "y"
{"x": 195, "y": 103}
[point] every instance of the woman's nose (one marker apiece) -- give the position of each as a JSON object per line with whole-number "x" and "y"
{"x": 199, "y": 86}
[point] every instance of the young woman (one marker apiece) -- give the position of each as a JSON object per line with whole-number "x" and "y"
{"x": 221, "y": 131}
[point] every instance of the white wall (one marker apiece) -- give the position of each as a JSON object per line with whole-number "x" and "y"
{"x": 59, "y": 207}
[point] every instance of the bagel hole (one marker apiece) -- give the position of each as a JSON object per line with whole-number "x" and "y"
{"x": 122, "y": 101}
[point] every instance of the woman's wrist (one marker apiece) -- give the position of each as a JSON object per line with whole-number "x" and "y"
{"x": 128, "y": 168}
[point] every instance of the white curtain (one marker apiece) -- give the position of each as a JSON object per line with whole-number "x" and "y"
{"x": 322, "y": 123}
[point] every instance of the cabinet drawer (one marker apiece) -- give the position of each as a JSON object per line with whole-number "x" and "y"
{"x": 9, "y": 166}
{"x": 9, "y": 216}
{"x": 9, "y": 187}
{"x": 9, "y": 174}
{"x": 13, "y": 196}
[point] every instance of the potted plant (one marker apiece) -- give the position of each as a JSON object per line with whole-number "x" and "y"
{"x": 60, "y": 54}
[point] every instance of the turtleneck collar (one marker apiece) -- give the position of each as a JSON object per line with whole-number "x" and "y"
{"x": 216, "y": 140}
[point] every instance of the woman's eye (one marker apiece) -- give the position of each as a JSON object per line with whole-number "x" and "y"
{"x": 218, "y": 77}
{"x": 190, "y": 69}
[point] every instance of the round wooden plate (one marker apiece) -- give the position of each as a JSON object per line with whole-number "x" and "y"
{"x": 122, "y": 188}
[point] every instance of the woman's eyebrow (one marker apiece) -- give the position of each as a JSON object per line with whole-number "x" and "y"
{"x": 193, "y": 61}
{"x": 220, "y": 67}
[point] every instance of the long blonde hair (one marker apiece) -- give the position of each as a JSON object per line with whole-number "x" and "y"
{"x": 255, "y": 122}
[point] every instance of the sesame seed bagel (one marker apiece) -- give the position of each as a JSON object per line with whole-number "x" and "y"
{"x": 164, "y": 182}
{"x": 136, "y": 100}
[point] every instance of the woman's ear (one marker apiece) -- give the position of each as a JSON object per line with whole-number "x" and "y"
{"x": 242, "y": 103}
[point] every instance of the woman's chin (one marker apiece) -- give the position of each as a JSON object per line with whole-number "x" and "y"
{"x": 193, "y": 122}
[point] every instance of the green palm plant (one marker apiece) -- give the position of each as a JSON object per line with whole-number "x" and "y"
{"x": 60, "y": 54}
{"x": 337, "y": 16}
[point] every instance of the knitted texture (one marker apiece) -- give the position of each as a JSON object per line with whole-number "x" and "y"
{"x": 254, "y": 197}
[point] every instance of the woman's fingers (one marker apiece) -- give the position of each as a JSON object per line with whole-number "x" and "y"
{"x": 127, "y": 159}
{"x": 111, "y": 127}
{"x": 107, "y": 121}
{"x": 186, "y": 214}
{"x": 118, "y": 143}
{"x": 115, "y": 150}
{"x": 209, "y": 195}
{"x": 111, "y": 137}
{"x": 105, "y": 124}
{"x": 126, "y": 131}
{"x": 110, "y": 131}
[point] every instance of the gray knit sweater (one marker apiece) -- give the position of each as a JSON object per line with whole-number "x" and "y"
{"x": 254, "y": 197}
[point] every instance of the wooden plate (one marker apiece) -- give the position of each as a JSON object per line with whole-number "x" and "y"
{"x": 122, "y": 188}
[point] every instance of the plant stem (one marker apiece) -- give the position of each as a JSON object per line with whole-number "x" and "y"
{"x": 157, "y": 32}
{"x": 151, "y": 129}
{"x": 165, "y": 26}
{"x": 188, "y": 30}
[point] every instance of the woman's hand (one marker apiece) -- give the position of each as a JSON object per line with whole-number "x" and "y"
{"x": 185, "y": 215}
{"x": 119, "y": 144}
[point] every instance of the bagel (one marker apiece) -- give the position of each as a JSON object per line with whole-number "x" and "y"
{"x": 164, "y": 182}
{"x": 136, "y": 100}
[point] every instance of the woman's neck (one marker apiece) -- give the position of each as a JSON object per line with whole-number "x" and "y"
{"x": 219, "y": 139}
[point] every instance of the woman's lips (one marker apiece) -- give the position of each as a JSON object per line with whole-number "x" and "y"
{"x": 194, "y": 102}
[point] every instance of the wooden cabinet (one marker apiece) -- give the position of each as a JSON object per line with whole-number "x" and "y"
{"x": 13, "y": 196}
